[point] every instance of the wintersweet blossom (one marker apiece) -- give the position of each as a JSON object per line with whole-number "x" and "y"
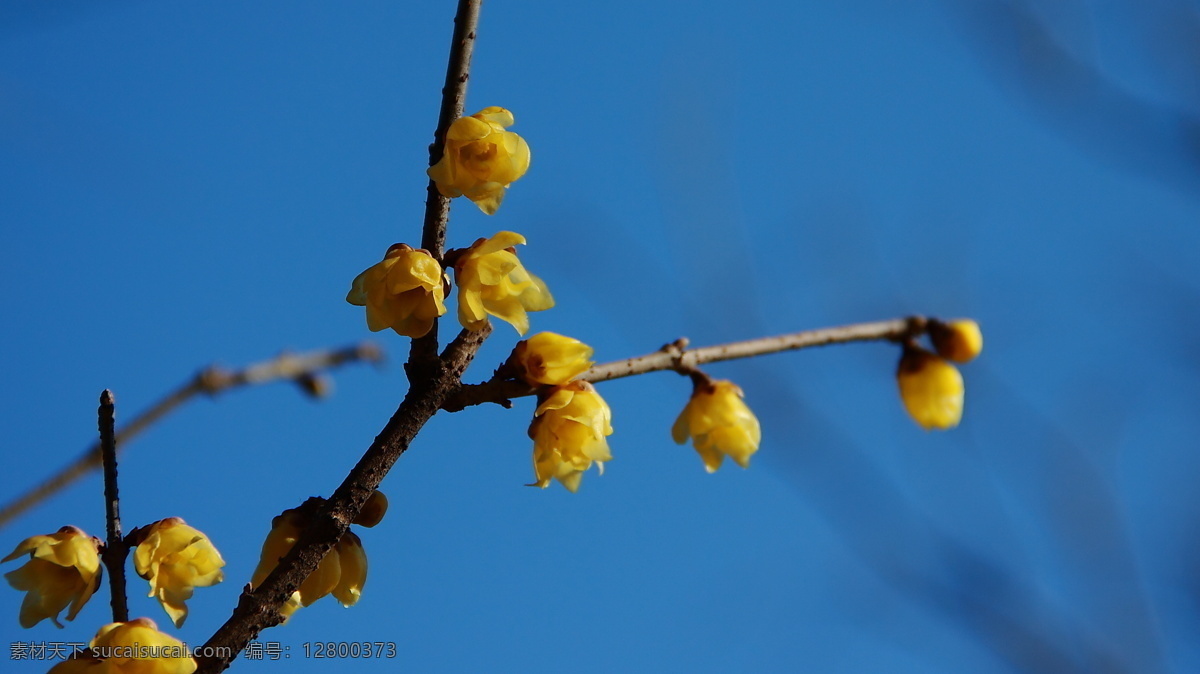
{"x": 404, "y": 292}
{"x": 550, "y": 358}
{"x": 342, "y": 572}
{"x": 134, "y": 647}
{"x": 959, "y": 341}
{"x": 491, "y": 280}
{"x": 568, "y": 431}
{"x": 353, "y": 561}
{"x": 63, "y": 569}
{"x": 931, "y": 388}
{"x": 176, "y": 559}
{"x": 719, "y": 424}
{"x": 481, "y": 159}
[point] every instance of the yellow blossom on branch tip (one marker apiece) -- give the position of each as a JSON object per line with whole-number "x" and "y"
{"x": 176, "y": 559}
{"x": 550, "y": 358}
{"x": 931, "y": 389}
{"x": 405, "y": 292}
{"x": 63, "y": 569}
{"x": 719, "y": 424}
{"x": 134, "y": 647}
{"x": 568, "y": 431}
{"x": 481, "y": 159}
{"x": 959, "y": 341}
{"x": 491, "y": 280}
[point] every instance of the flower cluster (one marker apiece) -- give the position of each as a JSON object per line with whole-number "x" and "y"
{"x": 342, "y": 572}
{"x": 931, "y": 388}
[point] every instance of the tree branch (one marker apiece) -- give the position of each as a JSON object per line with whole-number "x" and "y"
{"x": 115, "y": 549}
{"x": 211, "y": 381}
{"x": 258, "y": 609}
{"x": 676, "y": 356}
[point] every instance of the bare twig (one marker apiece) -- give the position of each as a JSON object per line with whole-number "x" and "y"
{"x": 676, "y": 356}
{"x": 212, "y": 381}
{"x": 115, "y": 549}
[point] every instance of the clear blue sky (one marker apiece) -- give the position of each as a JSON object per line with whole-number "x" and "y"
{"x": 185, "y": 182}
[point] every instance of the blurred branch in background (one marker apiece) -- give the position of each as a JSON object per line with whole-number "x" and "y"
{"x": 1157, "y": 135}
{"x": 305, "y": 370}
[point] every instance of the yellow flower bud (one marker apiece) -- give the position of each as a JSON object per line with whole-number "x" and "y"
{"x": 491, "y": 280}
{"x": 176, "y": 559}
{"x": 373, "y": 511}
{"x": 959, "y": 341}
{"x": 404, "y": 292}
{"x": 550, "y": 358}
{"x": 353, "y": 560}
{"x": 719, "y": 423}
{"x": 342, "y": 572}
{"x": 481, "y": 159}
{"x": 63, "y": 568}
{"x": 134, "y": 647}
{"x": 931, "y": 389}
{"x": 568, "y": 431}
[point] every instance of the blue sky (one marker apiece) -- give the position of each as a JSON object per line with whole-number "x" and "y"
{"x": 184, "y": 183}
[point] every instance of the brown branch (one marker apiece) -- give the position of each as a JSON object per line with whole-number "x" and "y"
{"x": 259, "y": 609}
{"x": 212, "y": 381}
{"x": 115, "y": 550}
{"x": 676, "y": 356}
{"x": 437, "y": 207}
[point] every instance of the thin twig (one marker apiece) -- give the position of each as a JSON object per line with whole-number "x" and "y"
{"x": 424, "y": 349}
{"x": 212, "y": 381}
{"x": 115, "y": 550}
{"x": 676, "y": 356}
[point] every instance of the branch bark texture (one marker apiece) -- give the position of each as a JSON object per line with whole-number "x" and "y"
{"x": 115, "y": 549}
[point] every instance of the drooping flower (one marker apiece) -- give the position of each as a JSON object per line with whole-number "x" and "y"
{"x": 176, "y": 559}
{"x": 931, "y": 388}
{"x": 719, "y": 424}
{"x": 134, "y": 647}
{"x": 959, "y": 341}
{"x": 63, "y": 569}
{"x": 353, "y": 560}
{"x": 342, "y": 572}
{"x": 491, "y": 280}
{"x": 404, "y": 292}
{"x": 481, "y": 159}
{"x": 568, "y": 431}
{"x": 550, "y": 358}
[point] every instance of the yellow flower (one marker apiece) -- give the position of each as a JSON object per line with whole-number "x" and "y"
{"x": 134, "y": 647}
{"x": 373, "y": 510}
{"x": 550, "y": 358}
{"x": 568, "y": 431}
{"x": 63, "y": 568}
{"x": 342, "y": 572}
{"x": 404, "y": 292}
{"x": 931, "y": 389}
{"x": 481, "y": 159}
{"x": 176, "y": 559}
{"x": 491, "y": 280}
{"x": 353, "y": 560}
{"x": 719, "y": 424}
{"x": 959, "y": 341}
